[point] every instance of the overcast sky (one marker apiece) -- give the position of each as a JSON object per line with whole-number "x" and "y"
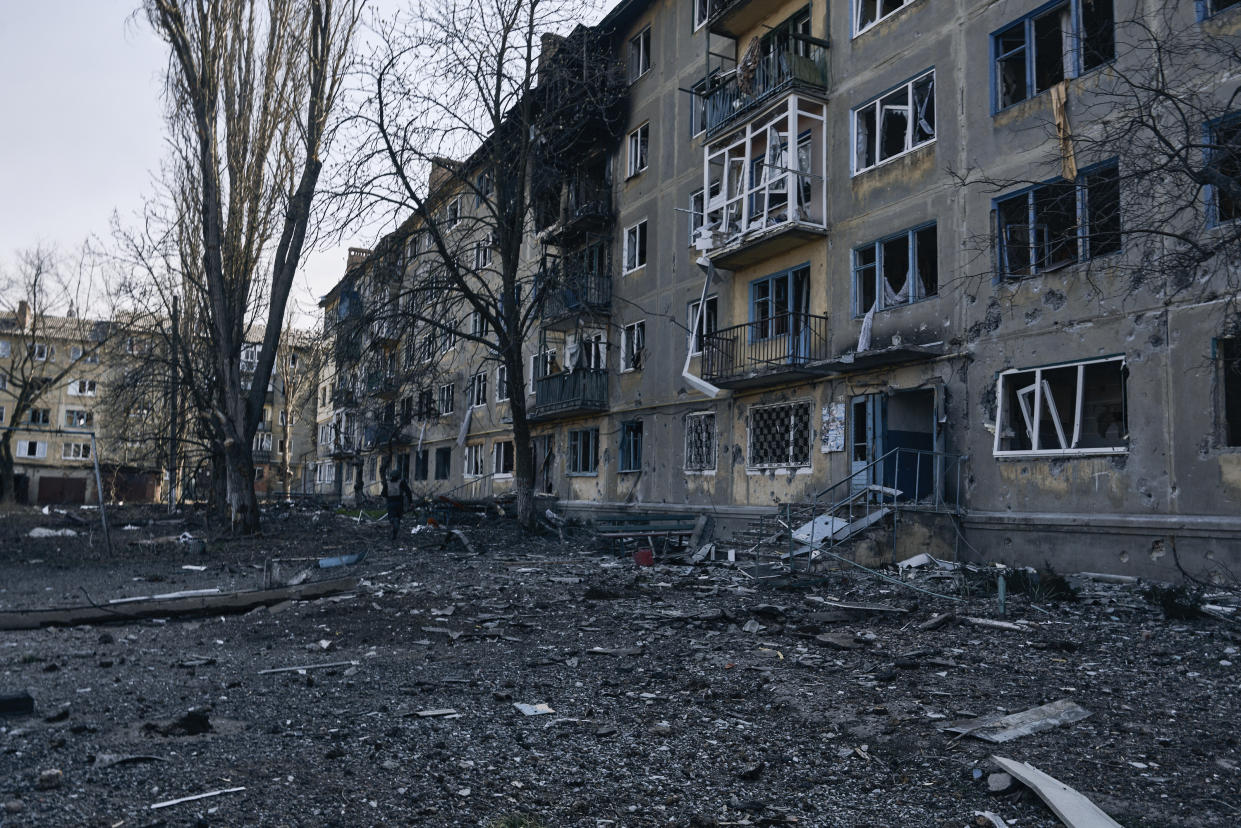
{"x": 83, "y": 131}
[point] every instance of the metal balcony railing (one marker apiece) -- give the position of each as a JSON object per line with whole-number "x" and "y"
{"x": 381, "y": 383}
{"x": 344, "y": 398}
{"x": 748, "y": 87}
{"x": 777, "y": 345}
{"x": 572, "y": 290}
{"x": 584, "y": 389}
{"x": 588, "y": 199}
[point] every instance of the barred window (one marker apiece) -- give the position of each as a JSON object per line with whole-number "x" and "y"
{"x": 779, "y": 435}
{"x": 700, "y": 442}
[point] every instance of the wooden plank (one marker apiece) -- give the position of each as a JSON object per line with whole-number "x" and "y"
{"x": 159, "y": 608}
{"x": 1074, "y": 809}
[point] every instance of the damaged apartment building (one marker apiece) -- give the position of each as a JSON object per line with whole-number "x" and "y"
{"x": 858, "y": 258}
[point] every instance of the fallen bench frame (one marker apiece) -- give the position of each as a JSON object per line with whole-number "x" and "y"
{"x": 628, "y": 526}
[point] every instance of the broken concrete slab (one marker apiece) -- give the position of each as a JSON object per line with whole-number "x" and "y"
{"x": 1073, "y": 809}
{"x": 998, "y": 729}
{"x": 539, "y": 709}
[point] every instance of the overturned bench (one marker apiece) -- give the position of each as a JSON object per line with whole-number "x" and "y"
{"x": 670, "y": 527}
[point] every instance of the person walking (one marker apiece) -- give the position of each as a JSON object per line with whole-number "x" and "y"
{"x": 397, "y": 492}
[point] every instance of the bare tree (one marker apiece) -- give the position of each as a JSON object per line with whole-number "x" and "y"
{"x": 1147, "y": 151}
{"x": 251, "y": 91}
{"x": 492, "y": 84}
{"x": 45, "y": 339}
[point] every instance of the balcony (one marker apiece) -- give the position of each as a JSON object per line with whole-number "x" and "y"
{"x": 382, "y": 384}
{"x": 733, "y": 18}
{"x": 744, "y": 90}
{"x": 342, "y": 447}
{"x": 344, "y": 398}
{"x": 587, "y": 207}
{"x": 382, "y": 434}
{"x": 261, "y": 455}
{"x": 575, "y": 291}
{"x": 582, "y": 391}
{"x": 778, "y": 349}
{"x": 385, "y": 334}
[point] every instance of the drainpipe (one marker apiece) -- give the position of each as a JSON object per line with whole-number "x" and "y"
{"x": 697, "y": 382}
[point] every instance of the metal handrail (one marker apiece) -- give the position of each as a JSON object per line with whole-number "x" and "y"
{"x": 483, "y": 481}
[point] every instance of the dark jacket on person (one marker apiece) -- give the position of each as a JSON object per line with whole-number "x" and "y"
{"x": 398, "y": 498}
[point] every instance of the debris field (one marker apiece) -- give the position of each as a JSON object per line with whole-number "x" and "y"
{"x": 553, "y": 679}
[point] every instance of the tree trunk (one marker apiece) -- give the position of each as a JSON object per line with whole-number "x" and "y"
{"x": 243, "y": 505}
{"x": 8, "y": 479}
{"x": 523, "y": 451}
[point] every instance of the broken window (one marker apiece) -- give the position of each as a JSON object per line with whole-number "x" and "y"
{"x": 779, "y": 435}
{"x": 1079, "y": 408}
{"x": 706, "y": 325}
{"x": 635, "y": 246}
{"x": 447, "y": 397}
{"x": 697, "y": 210}
{"x": 476, "y": 390}
{"x": 895, "y": 123}
{"x": 1229, "y": 353}
{"x": 867, "y": 13}
{"x": 700, "y": 441}
{"x": 640, "y": 54}
{"x": 702, "y": 10}
{"x": 1225, "y": 160}
{"x": 633, "y": 346}
{"x": 421, "y": 464}
{"x": 473, "y": 460}
{"x": 583, "y": 456}
{"x": 639, "y": 141}
{"x": 504, "y": 457}
{"x": 631, "y": 446}
{"x": 896, "y": 271}
{"x": 1055, "y": 224}
{"x": 776, "y": 300}
{"x": 443, "y": 463}
{"x": 1040, "y": 50}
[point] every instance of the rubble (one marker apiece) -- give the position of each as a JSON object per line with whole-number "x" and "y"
{"x": 647, "y": 690}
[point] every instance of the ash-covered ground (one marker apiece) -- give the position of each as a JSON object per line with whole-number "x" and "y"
{"x": 678, "y": 695}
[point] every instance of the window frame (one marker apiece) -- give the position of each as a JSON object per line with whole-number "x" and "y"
{"x": 1073, "y": 58}
{"x": 1034, "y": 425}
{"x": 697, "y": 213}
{"x": 74, "y": 451}
{"x": 1213, "y": 144}
{"x": 791, "y": 465}
{"x": 504, "y": 460}
{"x": 855, "y": 16}
{"x": 452, "y": 214}
{"x": 577, "y": 452}
{"x": 476, "y": 390}
{"x": 40, "y": 452}
{"x": 700, "y": 416}
{"x": 631, "y": 358}
{"x": 444, "y": 453}
{"x": 876, "y": 102}
{"x": 699, "y": 333}
{"x": 629, "y": 453}
{"x": 638, "y": 150}
{"x": 1082, "y": 236}
{"x": 502, "y": 391}
{"x": 916, "y": 293}
{"x": 641, "y": 241}
{"x": 473, "y": 465}
{"x": 446, "y": 398}
{"x": 705, "y": 7}
{"x": 79, "y": 418}
{"x": 642, "y": 43}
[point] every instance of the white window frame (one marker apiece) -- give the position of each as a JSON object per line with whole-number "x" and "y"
{"x": 497, "y": 456}
{"x": 473, "y": 466}
{"x": 75, "y": 451}
{"x": 695, "y": 334}
{"x": 446, "y": 398}
{"x": 912, "y": 117}
{"x": 633, "y": 346}
{"x": 82, "y": 388}
{"x": 40, "y": 351}
{"x": 502, "y": 392}
{"x": 700, "y": 417}
{"x": 697, "y": 213}
{"x": 452, "y": 214}
{"x": 855, "y": 7}
{"x": 547, "y": 358}
{"x": 482, "y": 255}
{"x": 23, "y": 446}
{"x": 1032, "y": 412}
{"x": 476, "y": 390}
{"x": 642, "y": 43}
{"x": 637, "y": 240}
{"x": 638, "y": 150}
{"x": 702, "y": 11}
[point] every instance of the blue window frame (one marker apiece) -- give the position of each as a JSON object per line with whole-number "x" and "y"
{"x": 631, "y": 446}
{"x": 1059, "y": 40}
{"x": 1059, "y": 222}
{"x": 777, "y": 300}
{"x": 896, "y": 270}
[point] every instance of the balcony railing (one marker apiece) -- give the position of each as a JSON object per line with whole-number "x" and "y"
{"x": 571, "y": 392}
{"x": 382, "y": 384}
{"x": 344, "y": 398}
{"x": 771, "y": 349}
{"x": 749, "y": 87}
{"x": 589, "y": 199}
{"x": 572, "y": 291}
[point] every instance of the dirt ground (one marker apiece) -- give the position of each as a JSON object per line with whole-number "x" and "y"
{"x": 680, "y": 695}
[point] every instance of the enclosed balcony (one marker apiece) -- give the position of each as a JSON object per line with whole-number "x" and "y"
{"x": 582, "y": 391}
{"x": 766, "y": 184}
{"x": 780, "y": 348}
{"x": 382, "y": 384}
{"x": 344, "y": 398}
{"x": 587, "y": 208}
{"x": 745, "y": 90}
